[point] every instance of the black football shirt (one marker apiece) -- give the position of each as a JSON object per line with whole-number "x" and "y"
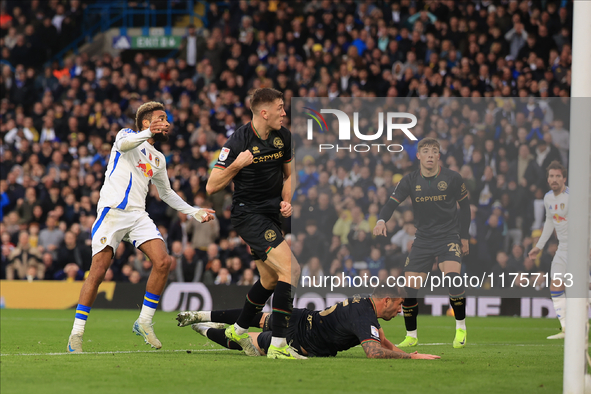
{"x": 434, "y": 202}
{"x": 258, "y": 186}
{"x": 339, "y": 327}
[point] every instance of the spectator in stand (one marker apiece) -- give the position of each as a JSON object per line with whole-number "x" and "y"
{"x": 22, "y": 257}
{"x": 51, "y": 237}
{"x": 71, "y": 252}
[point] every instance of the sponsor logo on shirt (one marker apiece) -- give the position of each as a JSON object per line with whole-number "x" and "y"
{"x": 431, "y": 198}
{"x": 224, "y": 153}
{"x": 146, "y": 169}
{"x": 273, "y": 156}
{"x": 559, "y": 218}
{"x": 278, "y": 143}
{"x": 375, "y": 333}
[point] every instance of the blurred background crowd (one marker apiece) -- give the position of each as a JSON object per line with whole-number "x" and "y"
{"x": 59, "y": 120}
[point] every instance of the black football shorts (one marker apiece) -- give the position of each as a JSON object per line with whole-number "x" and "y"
{"x": 423, "y": 253}
{"x": 262, "y": 232}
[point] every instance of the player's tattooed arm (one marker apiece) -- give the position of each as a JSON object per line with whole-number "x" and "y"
{"x": 375, "y": 349}
{"x": 385, "y": 342}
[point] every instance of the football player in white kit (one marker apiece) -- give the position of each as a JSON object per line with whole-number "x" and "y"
{"x": 556, "y": 204}
{"x": 121, "y": 215}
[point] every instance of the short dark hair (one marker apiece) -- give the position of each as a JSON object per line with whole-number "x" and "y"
{"x": 264, "y": 96}
{"x": 428, "y": 142}
{"x": 385, "y": 291}
{"x": 145, "y": 112}
{"x": 555, "y": 165}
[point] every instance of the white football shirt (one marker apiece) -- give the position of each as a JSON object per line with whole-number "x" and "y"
{"x": 556, "y": 218}
{"x": 133, "y": 164}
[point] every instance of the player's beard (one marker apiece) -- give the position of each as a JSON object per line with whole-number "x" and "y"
{"x": 161, "y": 137}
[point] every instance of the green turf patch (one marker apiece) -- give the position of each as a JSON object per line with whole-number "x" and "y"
{"x": 502, "y": 355}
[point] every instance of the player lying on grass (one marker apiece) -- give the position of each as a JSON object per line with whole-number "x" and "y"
{"x": 318, "y": 333}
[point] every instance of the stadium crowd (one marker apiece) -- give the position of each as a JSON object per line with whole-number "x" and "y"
{"x": 59, "y": 122}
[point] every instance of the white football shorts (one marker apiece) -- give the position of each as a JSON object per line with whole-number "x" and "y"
{"x": 115, "y": 225}
{"x": 558, "y": 265}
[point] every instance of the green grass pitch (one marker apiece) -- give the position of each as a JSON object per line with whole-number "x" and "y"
{"x": 503, "y": 355}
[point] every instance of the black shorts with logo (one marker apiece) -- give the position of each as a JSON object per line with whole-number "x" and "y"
{"x": 424, "y": 252}
{"x": 264, "y": 338}
{"x": 262, "y": 232}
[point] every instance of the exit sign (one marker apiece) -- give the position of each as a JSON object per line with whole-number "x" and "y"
{"x": 155, "y": 42}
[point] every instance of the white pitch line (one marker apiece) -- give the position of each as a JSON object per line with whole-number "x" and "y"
{"x": 225, "y": 350}
{"x": 53, "y": 319}
{"x": 116, "y": 352}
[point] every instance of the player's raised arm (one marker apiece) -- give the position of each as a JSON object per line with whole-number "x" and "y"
{"x": 226, "y": 168}
{"x": 374, "y": 349}
{"x": 128, "y": 140}
{"x": 402, "y": 191}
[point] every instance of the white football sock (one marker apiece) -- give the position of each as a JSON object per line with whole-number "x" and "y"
{"x": 147, "y": 314}
{"x": 203, "y": 330}
{"x": 412, "y": 333}
{"x": 78, "y": 326}
{"x": 239, "y": 330}
{"x": 560, "y": 308}
{"x": 461, "y": 324}
{"x": 278, "y": 342}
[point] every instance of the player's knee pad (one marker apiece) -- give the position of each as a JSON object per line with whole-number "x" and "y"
{"x": 455, "y": 284}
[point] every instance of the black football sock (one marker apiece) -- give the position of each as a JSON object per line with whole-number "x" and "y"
{"x": 230, "y": 316}
{"x": 255, "y": 301}
{"x": 282, "y": 308}
{"x": 218, "y": 336}
{"x": 410, "y": 308}
{"x": 457, "y": 296}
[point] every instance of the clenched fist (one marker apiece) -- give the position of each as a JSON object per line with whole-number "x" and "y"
{"x": 285, "y": 209}
{"x": 380, "y": 228}
{"x": 244, "y": 159}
